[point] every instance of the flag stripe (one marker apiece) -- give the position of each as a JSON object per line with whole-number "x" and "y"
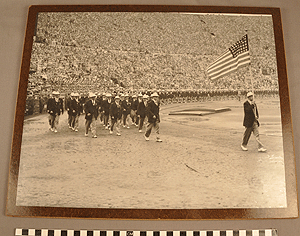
{"x": 222, "y": 64}
{"x": 232, "y": 62}
{"x": 233, "y": 58}
{"x": 231, "y": 65}
{"x": 229, "y": 61}
{"x": 225, "y": 54}
{"x": 227, "y": 72}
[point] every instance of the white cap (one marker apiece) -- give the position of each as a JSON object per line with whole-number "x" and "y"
{"x": 249, "y": 94}
{"x": 55, "y": 93}
{"x": 92, "y": 95}
{"x": 145, "y": 96}
{"x": 154, "y": 94}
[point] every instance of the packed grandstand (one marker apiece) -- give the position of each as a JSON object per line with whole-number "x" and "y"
{"x": 141, "y": 52}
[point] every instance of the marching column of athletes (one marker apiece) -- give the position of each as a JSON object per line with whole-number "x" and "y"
{"x": 114, "y": 111}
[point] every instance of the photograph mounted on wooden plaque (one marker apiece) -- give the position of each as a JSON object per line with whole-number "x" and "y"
{"x": 153, "y": 112}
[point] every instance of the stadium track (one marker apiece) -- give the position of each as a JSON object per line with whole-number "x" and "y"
{"x": 198, "y": 165}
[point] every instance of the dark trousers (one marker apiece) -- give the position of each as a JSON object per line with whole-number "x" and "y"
{"x": 90, "y": 123}
{"x": 149, "y": 127}
{"x": 141, "y": 122}
{"x": 248, "y": 132}
{"x": 125, "y": 119}
{"x": 105, "y": 119}
{"x": 69, "y": 119}
{"x": 115, "y": 123}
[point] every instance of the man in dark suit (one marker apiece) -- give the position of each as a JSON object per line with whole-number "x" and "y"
{"x": 55, "y": 108}
{"x": 126, "y": 107}
{"x": 115, "y": 112}
{"x": 251, "y": 123}
{"x": 67, "y": 105}
{"x": 134, "y": 105}
{"x": 105, "y": 109}
{"x": 91, "y": 114}
{"x": 153, "y": 117}
{"x": 75, "y": 110}
{"x": 141, "y": 111}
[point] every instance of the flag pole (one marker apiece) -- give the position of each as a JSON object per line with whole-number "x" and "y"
{"x": 250, "y": 67}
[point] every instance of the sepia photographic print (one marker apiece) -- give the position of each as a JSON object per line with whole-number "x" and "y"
{"x": 153, "y": 112}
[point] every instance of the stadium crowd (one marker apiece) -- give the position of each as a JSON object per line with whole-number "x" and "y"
{"x": 103, "y": 53}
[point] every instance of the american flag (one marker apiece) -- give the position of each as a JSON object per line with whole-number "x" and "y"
{"x": 233, "y": 58}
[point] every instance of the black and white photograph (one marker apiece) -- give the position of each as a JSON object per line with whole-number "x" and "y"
{"x": 153, "y": 110}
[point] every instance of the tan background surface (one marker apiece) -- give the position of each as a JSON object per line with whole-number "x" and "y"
{"x": 12, "y": 28}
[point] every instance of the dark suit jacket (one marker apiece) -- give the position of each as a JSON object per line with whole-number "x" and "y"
{"x": 141, "y": 110}
{"x": 105, "y": 107}
{"x": 115, "y": 111}
{"x": 134, "y": 104}
{"x": 68, "y": 104}
{"x": 153, "y": 110}
{"x": 125, "y": 107}
{"x": 55, "y": 108}
{"x": 75, "y": 107}
{"x": 91, "y": 109}
{"x": 249, "y": 116}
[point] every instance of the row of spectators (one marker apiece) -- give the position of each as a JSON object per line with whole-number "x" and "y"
{"x": 61, "y": 68}
{"x": 37, "y": 104}
{"x": 107, "y": 51}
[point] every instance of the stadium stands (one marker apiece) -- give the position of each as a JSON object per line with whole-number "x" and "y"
{"x": 135, "y": 52}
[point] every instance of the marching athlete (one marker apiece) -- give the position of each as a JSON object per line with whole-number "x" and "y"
{"x": 116, "y": 115}
{"x": 153, "y": 117}
{"x": 75, "y": 110}
{"x": 55, "y": 109}
{"x": 251, "y": 123}
{"x": 91, "y": 114}
{"x": 142, "y": 111}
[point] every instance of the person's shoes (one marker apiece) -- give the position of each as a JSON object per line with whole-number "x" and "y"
{"x": 140, "y": 131}
{"x": 76, "y": 130}
{"x": 70, "y": 127}
{"x": 106, "y": 127}
{"x": 158, "y": 140}
{"x": 128, "y": 127}
{"x": 146, "y": 138}
{"x": 262, "y": 149}
{"x": 73, "y": 129}
{"x": 55, "y": 131}
{"x": 51, "y": 129}
{"x": 86, "y": 135}
{"x": 244, "y": 148}
{"x": 118, "y": 134}
{"x": 95, "y": 136}
{"x": 111, "y": 132}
